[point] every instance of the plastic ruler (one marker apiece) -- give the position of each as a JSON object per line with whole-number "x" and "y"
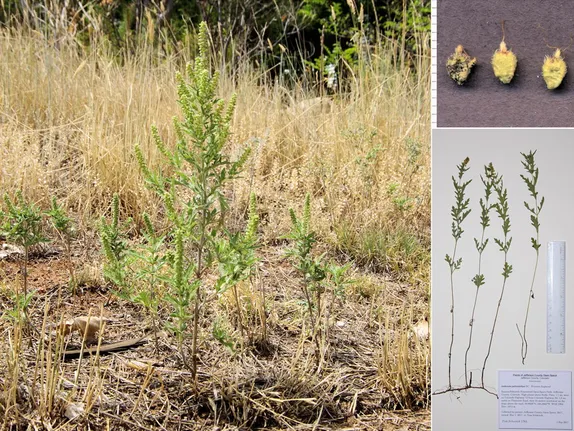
{"x": 556, "y": 298}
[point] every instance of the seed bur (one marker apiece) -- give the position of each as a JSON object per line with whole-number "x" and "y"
{"x": 459, "y": 65}
{"x": 554, "y": 69}
{"x": 504, "y": 62}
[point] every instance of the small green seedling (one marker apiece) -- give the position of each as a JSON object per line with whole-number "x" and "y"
{"x": 459, "y": 65}
{"x": 504, "y": 62}
{"x": 66, "y": 230}
{"x": 312, "y": 269}
{"x": 115, "y": 246}
{"x": 554, "y": 70}
{"x": 22, "y": 225}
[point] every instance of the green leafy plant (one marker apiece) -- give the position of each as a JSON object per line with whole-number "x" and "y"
{"x": 312, "y": 269}
{"x": 339, "y": 281}
{"x": 237, "y": 258}
{"x": 193, "y": 195}
{"x": 18, "y": 312}
{"x": 221, "y": 334}
{"x": 183, "y": 290}
{"x": 23, "y": 226}
{"x": 531, "y": 180}
{"x": 115, "y": 246}
{"x": 67, "y": 232}
{"x": 151, "y": 259}
{"x": 504, "y": 243}
{"x": 459, "y": 212}
{"x": 480, "y": 244}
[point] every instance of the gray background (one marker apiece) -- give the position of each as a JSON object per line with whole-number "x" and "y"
{"x": 484, "y": 101}
{"x": 477, "y": 410}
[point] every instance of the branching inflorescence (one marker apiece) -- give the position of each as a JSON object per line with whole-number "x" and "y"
{"x": 459, "y": 212}
{"x": 531, "y": 180}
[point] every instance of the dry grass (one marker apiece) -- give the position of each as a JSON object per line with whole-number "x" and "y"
{"x": 68, "y": 124}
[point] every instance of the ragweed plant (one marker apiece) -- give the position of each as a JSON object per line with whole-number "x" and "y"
{"x": 459, "y": 212}
{"x": 531, "y": 181}
{"x": 115, "y": 247}
{"x": 23, "y": 226}
{"x": 311, "y": 268}
{"x": 237, "y": 258}
{"x": 478, "y": 280}
{"x": 151, "y": 259}
{"x": 193, "y": 194}
{"x": 65, "y": 228}
{"x": 504, "y": 243}
{"x": 183, "y": 290}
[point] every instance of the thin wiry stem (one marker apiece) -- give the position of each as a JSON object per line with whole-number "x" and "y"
{"x": 459, "y": 212}
{"x": 451, "y": 318}
{"x": 478, "y": 279}
{"x": 531, "y": 181}
{"x": 501, "y": 208}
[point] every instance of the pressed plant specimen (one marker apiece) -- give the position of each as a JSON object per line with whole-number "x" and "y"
{"x": 531, "y": 180}
{"x": 459, "y": 212}
{"x": 480, "y": 244}
{"x": 504, "y": 243}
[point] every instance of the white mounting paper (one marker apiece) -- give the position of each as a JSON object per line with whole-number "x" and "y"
{"x": 539, "y": 400}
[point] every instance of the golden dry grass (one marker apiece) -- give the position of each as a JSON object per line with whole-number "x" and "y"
{"x": 69, "y": 122}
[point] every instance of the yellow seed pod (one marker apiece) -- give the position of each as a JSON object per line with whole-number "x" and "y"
{"x": 504, "y": 63}
{"x": 554, "y": 70}
{"x": 459, "y": 65}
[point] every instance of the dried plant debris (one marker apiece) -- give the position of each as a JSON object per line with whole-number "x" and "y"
{"x": 554, "y": 70}
{"x": 459, "y": 65}
{"x": 504, "y": 62}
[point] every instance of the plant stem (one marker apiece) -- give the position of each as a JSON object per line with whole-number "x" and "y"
{"x": 451, "y": 317}
{"x": 492, "y": 332}
{"x": 459, "y": 212}
{"x": 471, "y": 323}
{"x": 25, "y": 271}
{"x": 478, "y": 279}
{"x": 524, "y": 348}
{"x": 197, "y": 299}
{"x": 239, "y": 314}
{"x": 502, "y": 210}
{"x": 529, "y": 165}
{"x": 313, "y": 322}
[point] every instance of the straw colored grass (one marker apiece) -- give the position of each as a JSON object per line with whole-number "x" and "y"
{"x": 69, "y": 120}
